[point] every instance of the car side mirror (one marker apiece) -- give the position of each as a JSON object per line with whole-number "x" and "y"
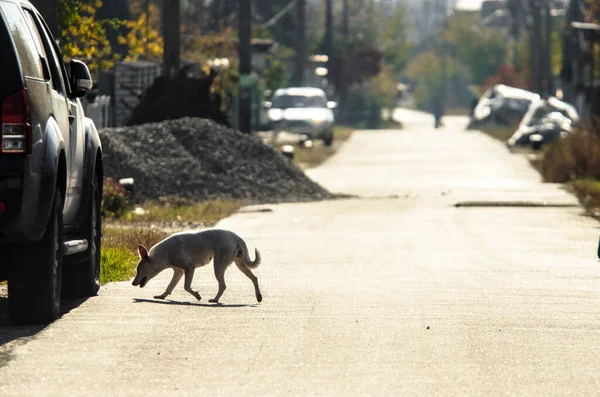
{"x": 331, "y": 105}
{"x": 81, "y": 79}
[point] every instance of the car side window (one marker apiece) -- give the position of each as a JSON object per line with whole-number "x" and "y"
{"x": 24, "y": 42}
{"x": 36, "y": 37}
{"x": 56, "y": 52}
{"x": 58, "y": 82}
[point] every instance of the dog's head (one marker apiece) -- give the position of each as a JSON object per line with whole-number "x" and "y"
{"x": 144, "y": 272}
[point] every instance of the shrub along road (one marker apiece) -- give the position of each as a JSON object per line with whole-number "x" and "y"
{"x": 397, "y": 293}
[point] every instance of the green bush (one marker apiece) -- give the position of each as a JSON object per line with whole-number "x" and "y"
{"x": 115, "y": 199}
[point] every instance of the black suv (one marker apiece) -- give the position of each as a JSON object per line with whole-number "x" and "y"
{"x": 51, "y": 174}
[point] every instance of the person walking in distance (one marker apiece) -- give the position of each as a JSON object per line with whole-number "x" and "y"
{"x": 437, "y": 110}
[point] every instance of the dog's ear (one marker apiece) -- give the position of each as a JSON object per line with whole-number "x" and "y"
{"x": 143, "y": 252}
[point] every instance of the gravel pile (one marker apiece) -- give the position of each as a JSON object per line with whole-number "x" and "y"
{"x": 199, "y": 159}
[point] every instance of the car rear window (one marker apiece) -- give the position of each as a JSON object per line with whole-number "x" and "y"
{"x": 28, "y": 55}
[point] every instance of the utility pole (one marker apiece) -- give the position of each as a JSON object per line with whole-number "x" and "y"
{"x": 300, "y": 43}
{"x": 171, "y": 23}
{"x": 329, "y": 38}
{"x": 443, "y": 23}
{"x": 346, "y": 20}
{"x": 425, "y": 15}
{"x": 547, "y": 59}
{"x": 245, "y": 56}
{"x": 535, "y": 38}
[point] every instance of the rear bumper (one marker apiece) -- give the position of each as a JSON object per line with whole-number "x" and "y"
{"x": 308, "y": 128}
{"x": 27, "y": 197}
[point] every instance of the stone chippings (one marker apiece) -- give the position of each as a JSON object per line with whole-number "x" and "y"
{"x": 198, "y": 159}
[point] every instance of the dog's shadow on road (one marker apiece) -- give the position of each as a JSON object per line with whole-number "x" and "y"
{"x": 179, "y": 303}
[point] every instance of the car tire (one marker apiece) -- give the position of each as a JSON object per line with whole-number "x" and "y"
{"x": 35, "y": 277}
{"x": 328, "y": 140}
{"x": 81, "y": 279}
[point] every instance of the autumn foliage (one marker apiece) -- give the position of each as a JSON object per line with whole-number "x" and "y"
{"x": 84, "y": 36}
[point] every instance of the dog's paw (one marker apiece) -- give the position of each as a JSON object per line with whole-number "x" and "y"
{"x": 197, "y": 295}
{"x": 213, "y": 300}
{"x": 259, "y": 298}
{"x": 160, "y": 296}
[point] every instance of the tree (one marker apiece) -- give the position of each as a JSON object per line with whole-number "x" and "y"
{"x": 83, "y": 36}
{"x": 86, "y": 27}
{"x": 394, "y": 41}
{"x": 140, "y": 33}
{"x": 142, "y": 40}
{"x": 480, "y": 49}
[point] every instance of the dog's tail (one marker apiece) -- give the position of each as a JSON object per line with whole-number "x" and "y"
{"x": 251, "y": 264}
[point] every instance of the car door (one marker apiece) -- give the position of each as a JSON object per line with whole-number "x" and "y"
{"x": 63, "y": 110}
{"x": 76, "y": 133}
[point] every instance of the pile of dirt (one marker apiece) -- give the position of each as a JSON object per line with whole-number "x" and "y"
{"x": 199, "y": 159}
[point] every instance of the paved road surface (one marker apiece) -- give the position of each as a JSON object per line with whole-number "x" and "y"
{"x": 396, "y": 293}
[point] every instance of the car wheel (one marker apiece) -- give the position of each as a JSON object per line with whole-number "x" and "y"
{"x": 328, "y": 140}
{"x": 35, "y": 277}
{"x": 82, "y": 278}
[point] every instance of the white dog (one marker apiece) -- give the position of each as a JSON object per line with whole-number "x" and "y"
{"x": 183, "y": 252}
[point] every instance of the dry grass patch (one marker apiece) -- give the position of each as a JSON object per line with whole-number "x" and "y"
{"x": 573, "y": 158}
{"x": 575, "y": 161}
{"x": 173, "y": 209}
{"x": 588, "y": 193}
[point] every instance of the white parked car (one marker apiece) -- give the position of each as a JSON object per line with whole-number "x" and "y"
{"x": 304, "y": 111}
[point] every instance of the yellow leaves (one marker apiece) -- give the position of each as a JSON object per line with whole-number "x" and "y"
{"x": 82, "y": 36}
{"x": 143, "y": 41}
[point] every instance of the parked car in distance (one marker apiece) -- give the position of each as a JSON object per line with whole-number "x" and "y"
{"x": 304, "y": 111}
{"x": 545, "y": 121}
{"x": 51, "y": 173}
{"x": 501, "y": 105}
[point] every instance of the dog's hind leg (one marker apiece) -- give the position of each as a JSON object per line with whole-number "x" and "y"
{"x": 189, "y": 275}
{"x": 239, "y": 262}
{"x": 221, "y": 264}
{"x": 177, "y": 274}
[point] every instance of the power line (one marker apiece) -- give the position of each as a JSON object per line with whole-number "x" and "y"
{"x": 280, "y": 14}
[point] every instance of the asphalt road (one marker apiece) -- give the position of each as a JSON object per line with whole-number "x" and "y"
{"x": 398, "y": 292}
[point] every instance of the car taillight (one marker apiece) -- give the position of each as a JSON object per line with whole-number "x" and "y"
{"x": 16, "y": 124}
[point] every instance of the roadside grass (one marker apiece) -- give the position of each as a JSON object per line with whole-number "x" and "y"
{"x": 310, "y": 157}
{"x": 121, "y": 236}
{"x": 573, "y": 158}
{"x": 119, "y": 250}
{"x": 575, "y": 162}
{"x": 175, "y": 209}
{"x": 588, "y": 193}
{"x": 116, "y": 264}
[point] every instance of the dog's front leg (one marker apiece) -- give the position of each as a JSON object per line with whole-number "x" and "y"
{"x": 189, "y": 275}
{"x": 177, "y": 274}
